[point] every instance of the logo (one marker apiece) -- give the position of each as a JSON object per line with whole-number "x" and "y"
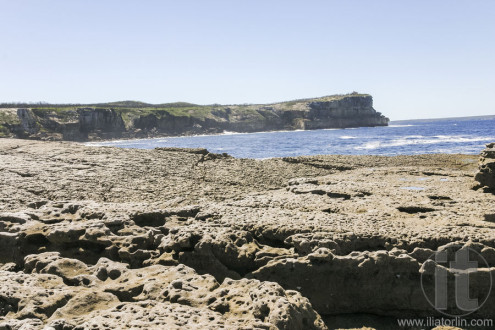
{"x": 453, "y": 281}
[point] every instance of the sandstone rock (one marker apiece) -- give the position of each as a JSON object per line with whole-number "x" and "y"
{"x": 37, "y": 262}
{"x": 24, "y": 324}
{"x": 222, "y": 241}
{"x": 179, "y": 289}
{"x": 9, "y": 247}
{"x": 72, "y": 271}
{"x": 84, "y": 303}
{"x": 155, "y": 315}
{"x": 106, "y": 268}
{"x": 336, "y": 284}
{"x": 15, "y": 217}
{"x": 486, "y": 173}
{"x": 32, "y": 295}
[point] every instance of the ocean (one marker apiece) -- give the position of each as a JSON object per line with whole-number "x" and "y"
{"x": 415, "y": 137}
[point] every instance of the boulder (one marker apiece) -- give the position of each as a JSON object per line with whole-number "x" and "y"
{"x": 486, "y": 173}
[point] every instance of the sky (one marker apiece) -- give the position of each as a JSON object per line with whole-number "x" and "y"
{"x": 418, "y": 59}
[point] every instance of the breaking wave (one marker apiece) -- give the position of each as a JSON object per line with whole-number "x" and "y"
{"x": 416, "y": 140}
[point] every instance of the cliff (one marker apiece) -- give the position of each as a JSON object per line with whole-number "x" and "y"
{"x": 140, "y": 120}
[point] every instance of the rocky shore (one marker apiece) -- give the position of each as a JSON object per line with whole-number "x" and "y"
{"x": 113, "y": 238}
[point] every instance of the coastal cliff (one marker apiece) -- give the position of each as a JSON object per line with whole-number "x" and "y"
{"x": 140, "y": 120}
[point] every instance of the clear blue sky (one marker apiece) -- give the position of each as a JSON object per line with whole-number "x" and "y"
{"x": 419, "y": 59}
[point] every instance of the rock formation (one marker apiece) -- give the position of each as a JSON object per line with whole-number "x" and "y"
{"x": 486, "y": 173}
{"x": 129, "y": 120}
{"x": 172, "y": 238}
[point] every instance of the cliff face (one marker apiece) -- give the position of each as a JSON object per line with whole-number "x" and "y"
{"x": 347, "y": 112}
{"x": 117, "y": 121}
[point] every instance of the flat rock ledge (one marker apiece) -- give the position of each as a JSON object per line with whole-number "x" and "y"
{"x": 107, "y": 238}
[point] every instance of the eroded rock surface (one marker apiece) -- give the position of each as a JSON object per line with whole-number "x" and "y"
{"x": 173, "y": 238}
{"x": 486, "y": 173}
{"x": 67, "y": 294}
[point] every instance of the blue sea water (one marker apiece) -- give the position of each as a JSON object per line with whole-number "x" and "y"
{"x": 445, "y": 136}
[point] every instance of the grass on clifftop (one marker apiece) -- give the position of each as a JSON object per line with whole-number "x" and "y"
{"x": 328, "y": 98}
{"x": 9, "y": 116}
{"x": 62, "y": 114}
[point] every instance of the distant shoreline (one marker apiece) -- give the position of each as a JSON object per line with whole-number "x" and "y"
{"x": 128, "y": 120}
{"x": 406, "y": 121}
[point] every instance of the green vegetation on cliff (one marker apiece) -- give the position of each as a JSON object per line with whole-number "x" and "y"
{"x": 7, "y": 116}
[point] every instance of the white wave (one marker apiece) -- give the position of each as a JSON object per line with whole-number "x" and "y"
{"x": 274, "y": 132}
{"x": 109, "y": 143}
{"x": 400, "y": 125}
{"x": 206, "y": 135}
{"x": 445, "y": 136}
{"x": 347, "y": 137}
{"x": 230, "y": 133}
{"x": 408, "y": 141}
{"x": 95, "y": 144}
{"x": 369, "y": 145}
